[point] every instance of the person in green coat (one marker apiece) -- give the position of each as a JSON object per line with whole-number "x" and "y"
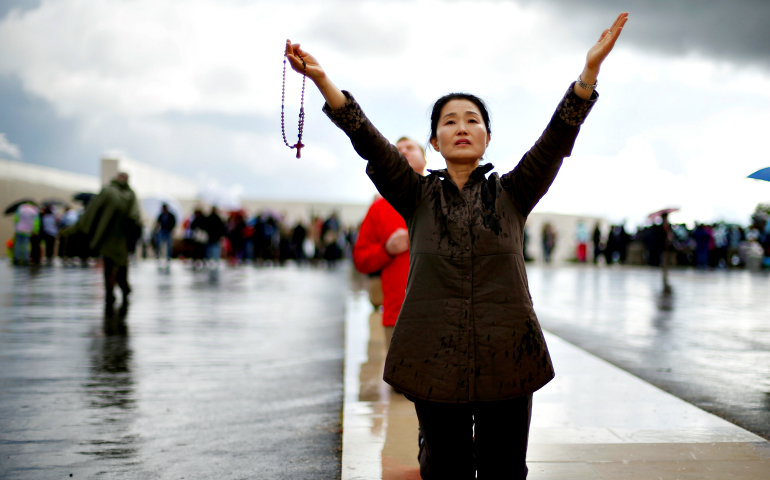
{"x": 112, "y": 221}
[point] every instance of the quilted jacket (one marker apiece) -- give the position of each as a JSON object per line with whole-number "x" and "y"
{"x": 467, "y": 330}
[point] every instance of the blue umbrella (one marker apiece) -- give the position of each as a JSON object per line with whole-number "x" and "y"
{"x": 763, "y": 174}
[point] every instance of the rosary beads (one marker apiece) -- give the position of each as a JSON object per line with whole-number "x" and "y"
{"x": 301, "y": 123}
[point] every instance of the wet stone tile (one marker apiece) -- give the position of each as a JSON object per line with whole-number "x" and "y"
{"x": 234, "y": 374}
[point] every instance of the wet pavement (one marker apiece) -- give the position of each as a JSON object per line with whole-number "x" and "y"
{"x": 230, "y": 375}
{"x": 594, "y": 421}
{"x": 239, "y": 375}
{"x": 709, "y": 343}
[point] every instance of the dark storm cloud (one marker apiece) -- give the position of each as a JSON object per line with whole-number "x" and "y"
{"x": 44, "y": 137}
{"x": 21, "y": 5}
{"x": 736, "y": 30}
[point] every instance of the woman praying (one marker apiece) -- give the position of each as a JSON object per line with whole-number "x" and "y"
{"x": 467, "y": 349}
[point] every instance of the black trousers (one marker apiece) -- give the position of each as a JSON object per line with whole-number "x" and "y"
{"x": 115, "y": 274}
{"x": 498, "y": 451}
{"x": 50, "y": 241}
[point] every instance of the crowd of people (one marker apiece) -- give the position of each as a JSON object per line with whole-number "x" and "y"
{"x": 267, "y": 237}
{"x": 44, "y": 233}
{"x": 37, "y": 234}
{"x": 704, "y": 246}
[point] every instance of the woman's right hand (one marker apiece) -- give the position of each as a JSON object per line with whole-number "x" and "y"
{"x": 333, "y": 95}
{"x": 296, "y": 56}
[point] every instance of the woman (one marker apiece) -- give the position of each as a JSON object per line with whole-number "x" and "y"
{"x": 467, "y": 348}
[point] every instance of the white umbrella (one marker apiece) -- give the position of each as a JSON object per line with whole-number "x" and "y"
{"x": 223, "y": 199}
{"x": 153, "y": 205}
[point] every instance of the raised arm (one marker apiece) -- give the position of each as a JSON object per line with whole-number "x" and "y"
{"x": 533, "y": 176}
{"x": 389, "y": 170}
{"x": 333, "y": 95}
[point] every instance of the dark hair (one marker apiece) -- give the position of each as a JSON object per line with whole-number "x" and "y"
{"x": 436, "y": 113}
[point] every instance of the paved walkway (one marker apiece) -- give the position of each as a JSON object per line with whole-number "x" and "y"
{"x": 594, "y": 421}
{"x": 708, "y": 343}
{"x": 228, "y": 375}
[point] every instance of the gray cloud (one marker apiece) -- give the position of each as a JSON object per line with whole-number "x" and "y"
{"x": 7, "y": 6}
{"x": 735, "y": 31}
{"x": 44, "y": 137}
{"x": 353, "y": 31}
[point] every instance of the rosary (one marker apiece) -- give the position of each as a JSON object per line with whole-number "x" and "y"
{"x": 301, "y": 123}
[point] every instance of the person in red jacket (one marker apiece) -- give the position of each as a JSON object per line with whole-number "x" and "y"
{"x": 383, "y": 244}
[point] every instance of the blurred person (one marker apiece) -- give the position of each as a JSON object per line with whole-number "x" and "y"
{"x": 199, "y": 238}
{"x": 235, "y": 229}
{"x": 68, "y": 218}
{"x": 317, "y": 227}
{"x": 49, "y": 230}
{"x": 165, "y": 224}
{"x": 34, "y": 241}
{"x": 622, "y": 239}
{"x": 216, "y": 229}
{"x": 330, "y": 232}
{"x": 734, "y": 239}
{"x": 656, "y": 241}
{"x": 467, "y": 349}
{"x": 266, "y": 229}
{"x": 383, "y": 244}
{"x": 26, "y": 223}
{"x": 258, "y": 238}
{"x": 298, "y": 236}
{"x": 664, "y": 261}
{"x": 581, "y": 238}
{"x": 549, "y": 241}
{"x": 597, "y": 240}
{"x": 611, "y": 246}
{"x": 703, "y": 241}
{"x": 719, "y": 253}
{"x": 110, "y": 221}
{"x": 285, "y": 250}
{"x": 187, "y": 240}
{"x": 765, "y": 242}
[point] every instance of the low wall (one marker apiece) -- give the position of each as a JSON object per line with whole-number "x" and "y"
{"x": 21, "y": 180}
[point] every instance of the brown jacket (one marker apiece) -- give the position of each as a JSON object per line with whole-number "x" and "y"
{"x": 467, "y": 330}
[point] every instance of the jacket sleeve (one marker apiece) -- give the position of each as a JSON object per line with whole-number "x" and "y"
{"x": 531, "y": 178}
{"x": 134, "y": 214}
{"x": 88, "y": 222}
{"x": 369, "y": 254}
{"x": 396, "y": 181}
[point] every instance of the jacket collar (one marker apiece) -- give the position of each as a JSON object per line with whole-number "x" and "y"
{"x": 477, "y": 175}
{"x": 120, "y": 185}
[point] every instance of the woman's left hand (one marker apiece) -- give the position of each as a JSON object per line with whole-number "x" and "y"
{"x": 598, "y": 53}
{"x": 603, "y": 47}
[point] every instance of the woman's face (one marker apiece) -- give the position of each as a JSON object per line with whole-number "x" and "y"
{"x": 461, "y": 136}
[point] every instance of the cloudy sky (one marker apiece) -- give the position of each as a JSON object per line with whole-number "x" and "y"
{"x": 194, "y": 86}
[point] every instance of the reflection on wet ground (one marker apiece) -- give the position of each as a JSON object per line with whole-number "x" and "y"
{"x": 228, "y": 374}
{"x": 708, "y": 343}
{"x": 110, "y": 388}
{"x": 594, "y": 421}
{"x": 378, "y": 421}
